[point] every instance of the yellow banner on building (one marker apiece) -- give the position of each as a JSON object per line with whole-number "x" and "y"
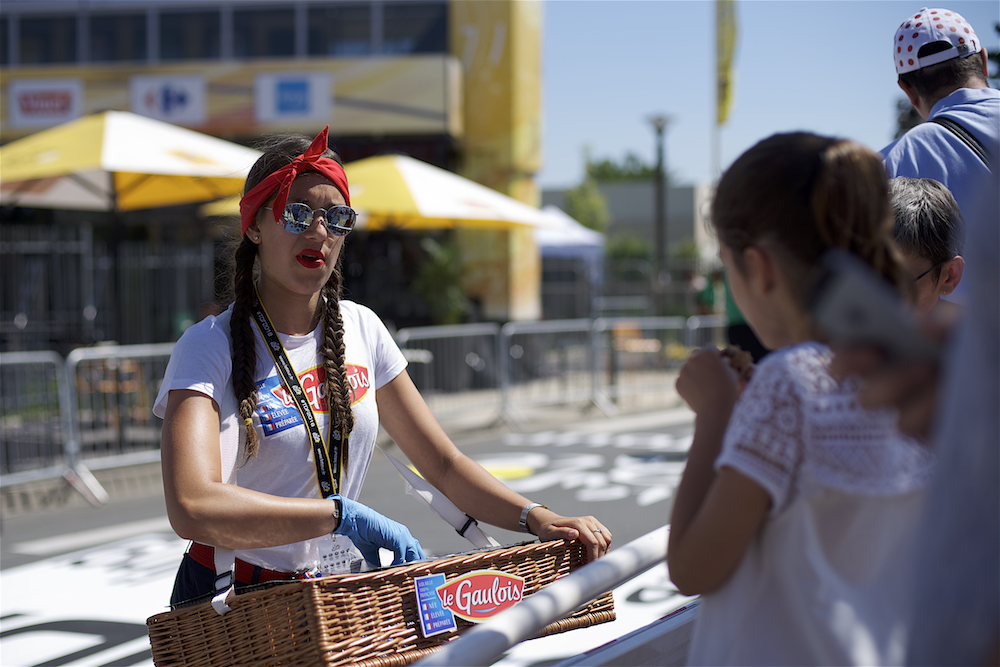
{"x": 412, "y": 95}
{"x": 725, "y": 44}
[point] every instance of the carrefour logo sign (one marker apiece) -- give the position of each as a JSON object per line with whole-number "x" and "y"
{"x": 175, "y": 99}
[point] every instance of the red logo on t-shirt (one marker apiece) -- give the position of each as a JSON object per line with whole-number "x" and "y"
{"x": 358, "y": 377}
{"x": 313, "y": 383}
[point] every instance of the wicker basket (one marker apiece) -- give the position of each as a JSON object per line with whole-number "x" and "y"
{"x": 365, "y": 619}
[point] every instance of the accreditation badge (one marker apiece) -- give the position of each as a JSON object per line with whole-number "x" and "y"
{"x": 338, "y": 555}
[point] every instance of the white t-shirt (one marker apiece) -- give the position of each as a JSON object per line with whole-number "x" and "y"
{"x": 825, "y": 581}
{"x": 284, "y": 466}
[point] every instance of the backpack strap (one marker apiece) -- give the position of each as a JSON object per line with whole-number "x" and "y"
{"x": 967, "y": 138}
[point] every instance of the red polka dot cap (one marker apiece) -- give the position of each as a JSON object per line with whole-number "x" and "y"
{"x": 930, "y": 26}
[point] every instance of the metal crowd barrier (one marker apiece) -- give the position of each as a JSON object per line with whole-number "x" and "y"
{"x": 456, "y": 368}
{"x": 94, "y": 409}
{"x": 33, "y": 414}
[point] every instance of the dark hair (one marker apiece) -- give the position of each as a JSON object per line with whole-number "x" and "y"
{"x": 803, "y": 194}
{"x": 927, "y": 81}
{"x": 929, "y": 223}
{"x": 278, "y": 152}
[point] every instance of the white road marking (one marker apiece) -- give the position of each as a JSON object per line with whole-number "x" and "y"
{"x": 61, "y": 543}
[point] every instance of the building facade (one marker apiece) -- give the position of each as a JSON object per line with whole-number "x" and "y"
{"x": 452, "y": 83}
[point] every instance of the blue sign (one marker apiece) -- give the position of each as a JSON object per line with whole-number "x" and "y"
{"x": 275, "y": 407}
{"x": 434, "y": 618}
{"x": 293, "y": 96}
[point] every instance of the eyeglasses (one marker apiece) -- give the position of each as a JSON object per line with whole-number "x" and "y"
{"x": 936, "y": 266}
{"x": 297, "y": 218}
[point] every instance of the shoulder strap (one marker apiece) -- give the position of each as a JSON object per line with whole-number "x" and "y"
{"x": 463, "y": 524}
{"x": 967, "y": 138}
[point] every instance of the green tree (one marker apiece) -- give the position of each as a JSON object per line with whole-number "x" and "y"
{"x": 628, "y": 246}
{"x": 632, "y": 168}
{"x": 438, "y": 281}
{"x": 586, "y": 205}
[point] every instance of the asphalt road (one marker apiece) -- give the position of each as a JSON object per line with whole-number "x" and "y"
{"x": 77, "y": 584}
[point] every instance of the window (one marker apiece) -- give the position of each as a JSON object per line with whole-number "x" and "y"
{"x": 415, "y": 28}
{"x": 4, "y": 42}
{"x": 115, "y": 37}
{"x": 340, "y": 30}
{"x": 190, "y": 35}
{"x": 264, "y": 33}
{"x": 47, "y": 39}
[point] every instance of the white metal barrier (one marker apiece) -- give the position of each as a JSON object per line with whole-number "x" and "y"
{"x": 96, "y": 406}
{"x": 484, "y": 643}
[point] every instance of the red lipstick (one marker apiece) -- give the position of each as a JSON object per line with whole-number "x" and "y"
{"x": 311, "y": 259}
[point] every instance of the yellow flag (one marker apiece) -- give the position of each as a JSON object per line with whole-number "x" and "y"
{"x": 725, "y": 42}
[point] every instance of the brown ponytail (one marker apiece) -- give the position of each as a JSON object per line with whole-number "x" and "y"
{"x": 804, "y": 194}
{"x": 850, "y": 203}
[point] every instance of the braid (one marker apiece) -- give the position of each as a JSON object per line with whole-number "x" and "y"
{"x": 338, "y": 388}
{"x": 244, "y": 350}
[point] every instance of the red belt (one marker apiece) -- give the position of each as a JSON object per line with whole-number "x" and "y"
{"x": 246, "y": 573}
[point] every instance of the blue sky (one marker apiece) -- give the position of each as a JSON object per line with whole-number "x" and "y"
{"x": 816, "y": 65}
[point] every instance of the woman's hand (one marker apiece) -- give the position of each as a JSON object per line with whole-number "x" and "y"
{"x": 589, "y": 531}
{"x": 369, "y": 530}
{"x": 707, "y": 382}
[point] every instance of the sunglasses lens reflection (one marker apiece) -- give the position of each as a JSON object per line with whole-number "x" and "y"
{"x": 339, "y": 220}
{"x": 341, "y": 217}
{"x": 297, "y": 218}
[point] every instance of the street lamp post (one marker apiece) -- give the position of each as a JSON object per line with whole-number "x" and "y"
{"x": 660, "y": 123}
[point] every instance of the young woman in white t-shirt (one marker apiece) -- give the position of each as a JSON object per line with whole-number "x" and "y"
{"x": 795, "y": 513}
{"x": 239, "y": 468}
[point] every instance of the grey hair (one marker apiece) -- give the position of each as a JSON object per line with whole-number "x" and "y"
{"x": 928, "y": 223}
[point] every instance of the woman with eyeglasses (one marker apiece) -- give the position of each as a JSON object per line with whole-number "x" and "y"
{"x": 270, "y": 410}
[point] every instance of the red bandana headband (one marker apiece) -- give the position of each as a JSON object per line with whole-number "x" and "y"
{"x": 281, "y": 180}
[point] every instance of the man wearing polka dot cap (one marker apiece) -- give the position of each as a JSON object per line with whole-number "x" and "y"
{"x": 943, "y": 70}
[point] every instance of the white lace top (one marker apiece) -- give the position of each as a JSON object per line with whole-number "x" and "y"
{"x": 794, "y": 414}
{"x": 826, "y": 580}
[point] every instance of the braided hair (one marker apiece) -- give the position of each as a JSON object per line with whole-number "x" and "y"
{"x": 278, "y": 152}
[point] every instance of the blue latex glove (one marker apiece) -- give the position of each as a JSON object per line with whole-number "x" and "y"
{"x": 369, "y": 530}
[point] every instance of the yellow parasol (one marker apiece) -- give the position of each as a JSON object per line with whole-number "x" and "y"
{"x": 119, "y": 161}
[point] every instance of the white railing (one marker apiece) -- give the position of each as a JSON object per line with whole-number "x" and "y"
{"x": 484, "y": 643}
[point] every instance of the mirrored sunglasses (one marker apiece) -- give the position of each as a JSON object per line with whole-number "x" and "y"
{"x": 297, "y": 218}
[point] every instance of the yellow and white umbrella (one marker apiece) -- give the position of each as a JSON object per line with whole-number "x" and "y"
{"x": 119, "y": 161}
{"x": 399, "y": 192}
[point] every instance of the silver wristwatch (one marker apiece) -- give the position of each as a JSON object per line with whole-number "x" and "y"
{"x": 523, "y": 521}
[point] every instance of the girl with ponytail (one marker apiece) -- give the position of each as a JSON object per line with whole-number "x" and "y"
{"x": 270, "y": 410}
{"x": 797, "y": 506}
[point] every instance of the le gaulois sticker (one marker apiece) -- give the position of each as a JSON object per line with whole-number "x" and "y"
{"x": 478, "y": 595}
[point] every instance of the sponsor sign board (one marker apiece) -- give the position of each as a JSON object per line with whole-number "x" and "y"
{"x": 434, "y": 618}
{"x": 175, "y": 99}
{"x": 45, "y": 102}
{"x": 293, "y": 96}
{"x": 474, "y": 596}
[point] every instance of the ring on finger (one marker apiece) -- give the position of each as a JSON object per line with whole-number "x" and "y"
{"x": 599, "y": 530}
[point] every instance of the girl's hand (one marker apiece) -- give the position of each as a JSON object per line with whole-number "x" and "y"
{"x": 592, "y": 534}
{"x": 707, "y": 382}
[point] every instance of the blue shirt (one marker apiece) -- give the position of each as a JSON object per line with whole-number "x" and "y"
{"x": 932, "y": 151}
